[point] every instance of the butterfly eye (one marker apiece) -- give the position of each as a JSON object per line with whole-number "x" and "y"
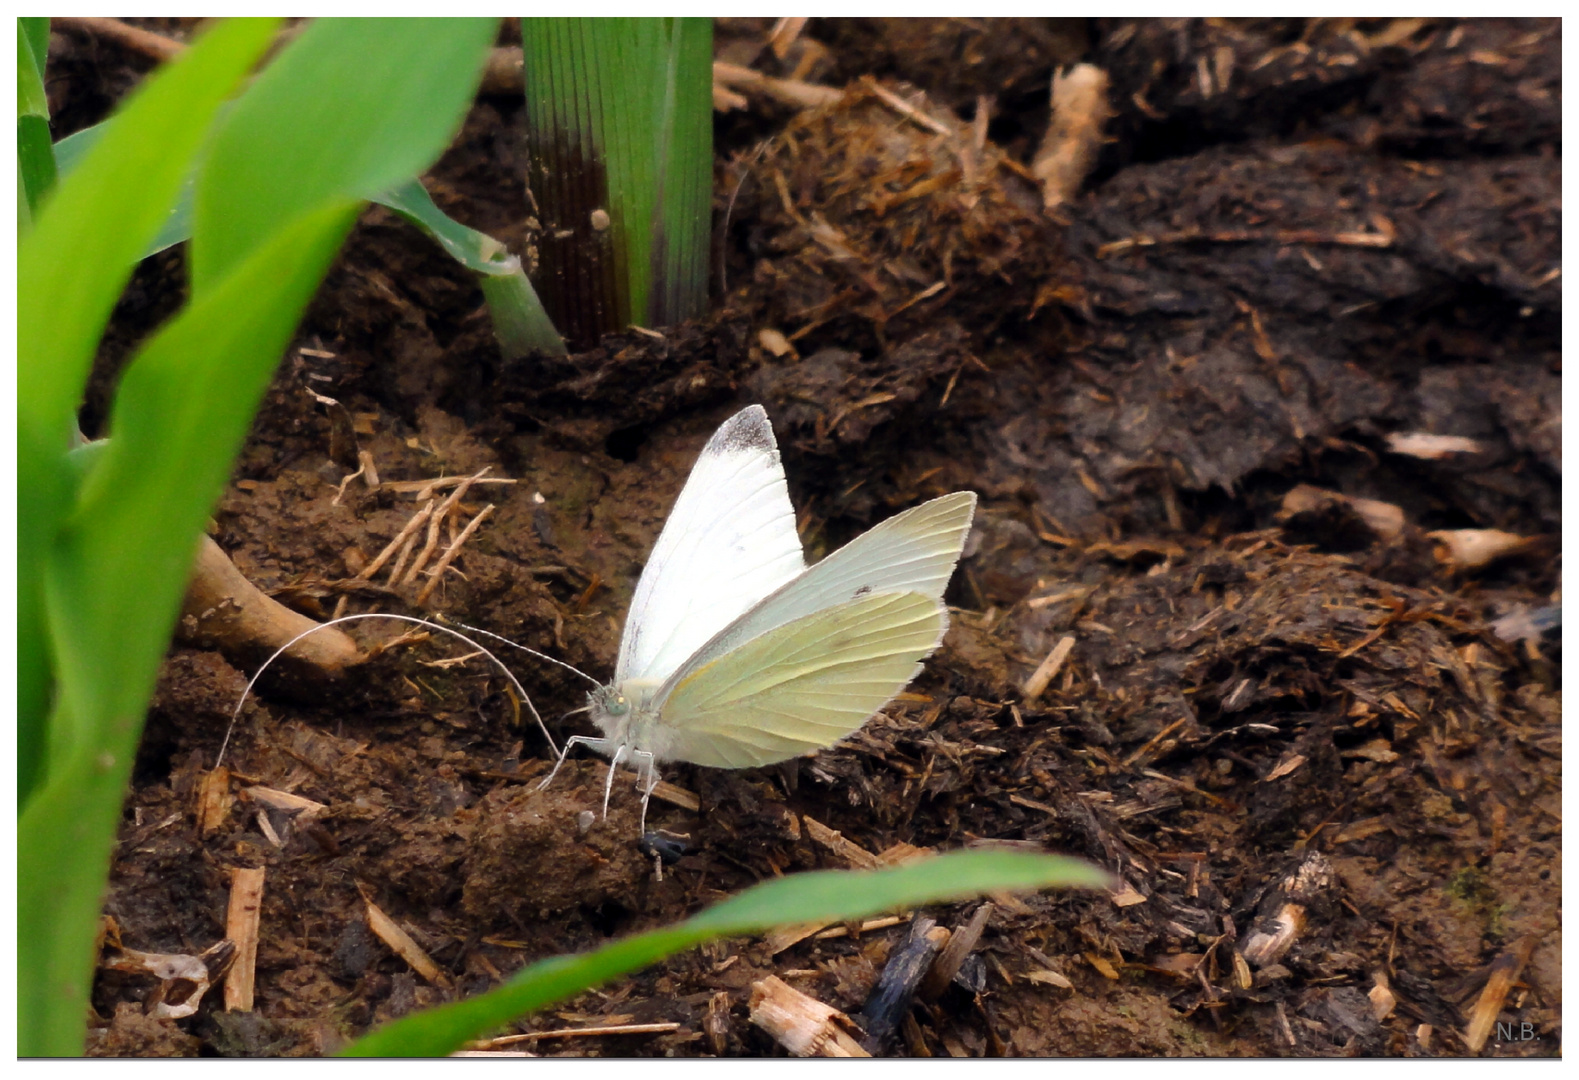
{"x": 619, "y": 706}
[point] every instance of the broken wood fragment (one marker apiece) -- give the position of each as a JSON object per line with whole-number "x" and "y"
{"x": 183, "y": 979}
{"x": 241, "y": 927}
{"x": 214, "y": 800}
{"x": 834, "y": 841}
{"x": 1471, "y": 549}
{"x": 907, "y": 965}
{"x": 1074, "y": 132}
{"x": 961, "y": 942}
{"x": 802, "y": 1025}
{"x": 1049, "y": 667}
{"x": 400, "y": 942}
{"x": 1505, "y": 971}
{"x": 715, "y": 1025}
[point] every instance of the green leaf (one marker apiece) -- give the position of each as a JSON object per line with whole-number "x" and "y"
{"x": 823, "y": 896}
{"x": 619, "y": 139}
{"x": 113, "y": 571}
{"x": 114, "y": 583}
{"x": 177, "y": 225}
{"x": 70, "y": 269}
{"x": 476, "y": 251}
{"x": 520, "y": 323}
{"x": 352, "y": 106}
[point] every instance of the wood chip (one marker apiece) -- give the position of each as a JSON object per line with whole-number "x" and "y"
{"x": 1384, "y": 519}
{"x": 276, "y": 799}
{"x": 834, "y": 841}
{"x": 1505, "y": 971}
{"x": 1102, "y": 965}
{"x": 1127, "y": 896}
{"x": 715, "y": 1025}
{"x": 1080, "y": 108}
{"x": 1048, "y": 977}
{"x": 1470, "y": 549}
{"x": 962, "y": 941}
{"x": 1383, "y": 1001}
{"x": 1048, "y": 668}
{"x": 1419, "y": 444}
{"x": 802, "y": 1025}
{"x": 1286, "y": 766}
{"x": 394, "y": 935}
{"x": 214, "y": 800}
{"x": 1359, "y": 830}
{"x": 241, "y": 927}
{"x": 1377, "y": 750}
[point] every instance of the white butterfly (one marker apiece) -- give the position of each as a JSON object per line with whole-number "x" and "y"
{"x": 736, "y": 653}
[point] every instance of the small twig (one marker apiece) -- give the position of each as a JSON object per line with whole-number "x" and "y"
{"x": 411, "y": 526}
{"x": 154, "y": 46}
{"x": 400, "y": 563}
{"x": 1155, "y": 739}
{"x": 783, "y": 35}
{"x": 449, "y": 555}
{"x": 1278, "y": 236}
{"x": 433, "y": 528}
{"x": 394, "y": 935}
{"x": 795, "y": 92}
{"x": 903, "y": 107}
{"x": 241, "y": 927}
{"x": 578, "y": 1033}
{"x": 1048, "y": 668}
{"x": 426, "y": 488}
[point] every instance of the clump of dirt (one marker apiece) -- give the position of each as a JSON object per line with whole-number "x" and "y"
{"x": 1330, "y": 788}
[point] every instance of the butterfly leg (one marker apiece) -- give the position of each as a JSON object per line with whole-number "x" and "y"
{"x": 597, "y": 746}
{"x": 608, "y": 785}
{"x": 646, "y": 781}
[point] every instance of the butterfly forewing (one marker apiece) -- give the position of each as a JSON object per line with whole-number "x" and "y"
{"x": 800, "y": 686}
{"x": 914, "y": 551}
{"x": 730, "y": 540}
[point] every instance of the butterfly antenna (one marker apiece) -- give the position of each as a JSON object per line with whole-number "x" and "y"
{"x": 608, "y": 785}
{"x": 523, "y": 648}
{"x": 519, "y": 689}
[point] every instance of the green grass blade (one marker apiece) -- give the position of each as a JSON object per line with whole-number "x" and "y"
{"x": 177, "y": 225}
{"x": 619, "y": 135}
{"x": 519, "y": 320}
{"x": 826, "y": 895}
{"x": 35, "y": 158}
{"x": 64, "y": 297}
{"x": 71, "y": 267}
{"x": 114, "y": 583}
{"x": 351, "y": 106}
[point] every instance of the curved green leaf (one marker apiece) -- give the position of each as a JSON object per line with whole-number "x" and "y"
{"x": 830, "y": 895}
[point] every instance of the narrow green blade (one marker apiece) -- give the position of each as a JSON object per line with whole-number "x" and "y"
{"x": 826, "y": 895}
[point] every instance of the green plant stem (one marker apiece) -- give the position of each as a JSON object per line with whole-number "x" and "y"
{"x": 619, "y": 136}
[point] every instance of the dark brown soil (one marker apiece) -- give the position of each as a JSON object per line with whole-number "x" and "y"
{"x": 1302, "y": 238}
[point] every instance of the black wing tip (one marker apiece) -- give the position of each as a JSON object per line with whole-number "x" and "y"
{"x": 749, "y": 429}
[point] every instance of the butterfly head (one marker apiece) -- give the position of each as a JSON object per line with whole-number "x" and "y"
{"x": 618, "y": 707}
